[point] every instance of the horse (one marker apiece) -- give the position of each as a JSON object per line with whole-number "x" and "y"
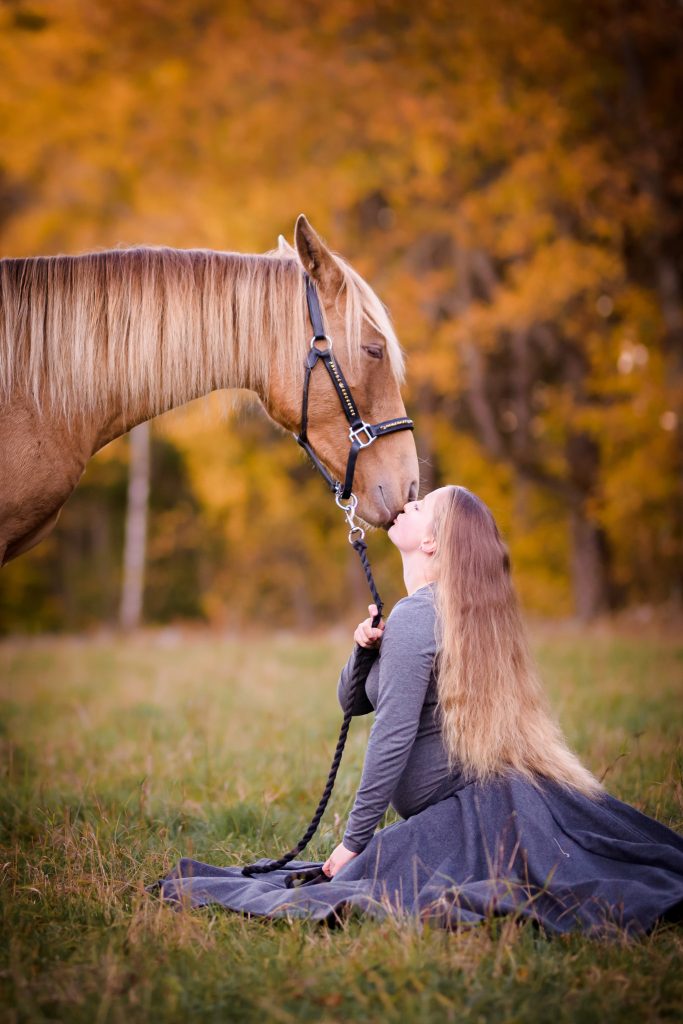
{"x": 93, "y": 344}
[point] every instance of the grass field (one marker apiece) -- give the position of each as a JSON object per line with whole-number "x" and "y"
{"x": 119, "y": 757}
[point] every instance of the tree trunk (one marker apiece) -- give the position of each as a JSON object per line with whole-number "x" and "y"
{"x": 589, "y": 564}
{"x": 133, "y": 584}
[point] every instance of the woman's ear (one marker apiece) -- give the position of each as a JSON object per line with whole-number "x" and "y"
{"x": 428, "y": 545}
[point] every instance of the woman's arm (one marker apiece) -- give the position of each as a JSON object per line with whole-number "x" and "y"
{"x": 361, "y": 704}
{"x": 405, "y": 670}
{"x": 369, "y": 637}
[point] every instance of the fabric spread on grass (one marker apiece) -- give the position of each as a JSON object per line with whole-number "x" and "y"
{"x": 544, "y": 853}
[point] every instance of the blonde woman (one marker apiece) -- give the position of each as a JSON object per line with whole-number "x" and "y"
{"x": 500, "y": 815}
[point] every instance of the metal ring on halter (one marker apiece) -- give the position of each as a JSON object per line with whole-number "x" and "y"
{"x": 325, "y": 337}
{"x": 349, "y": 514}
{"x": 353, "y": 501}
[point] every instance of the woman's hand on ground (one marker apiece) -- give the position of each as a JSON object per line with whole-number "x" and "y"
{"x": 365, "y": 634}
{"x": 337, "y": 859}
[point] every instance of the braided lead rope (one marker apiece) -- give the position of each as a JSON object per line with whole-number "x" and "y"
{"x": 361, "y": 548}
{"x": 363, "y": 662}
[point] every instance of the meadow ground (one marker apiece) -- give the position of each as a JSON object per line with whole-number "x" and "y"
{"x": 121, "y": 756}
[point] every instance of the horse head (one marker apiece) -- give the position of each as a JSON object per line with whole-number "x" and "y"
{"x": 369, "y": 355}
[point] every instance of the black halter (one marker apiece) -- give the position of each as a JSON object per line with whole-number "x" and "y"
{"x": 361, "y": 434}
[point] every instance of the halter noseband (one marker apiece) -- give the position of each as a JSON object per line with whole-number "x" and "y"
{"x": 361, "y": 434}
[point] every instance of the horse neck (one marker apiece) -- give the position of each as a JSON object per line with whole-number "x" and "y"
{"x": 228, "y": 321}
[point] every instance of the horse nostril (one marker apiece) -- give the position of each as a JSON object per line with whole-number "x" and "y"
{"x": 412, "y": 491}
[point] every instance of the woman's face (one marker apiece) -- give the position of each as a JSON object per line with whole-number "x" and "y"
{"x": 413, "y": 529}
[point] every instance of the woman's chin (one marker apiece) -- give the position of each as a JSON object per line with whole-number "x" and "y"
{"x": 391, "y": 534}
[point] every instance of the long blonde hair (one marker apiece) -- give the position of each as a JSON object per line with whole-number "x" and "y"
{"x": 495, "y": 715}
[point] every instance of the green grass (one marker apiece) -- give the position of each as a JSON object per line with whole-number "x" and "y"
{"x": 119, "y": 757}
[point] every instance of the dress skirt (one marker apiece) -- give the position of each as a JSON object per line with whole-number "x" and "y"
{"x": 545, "y": 853}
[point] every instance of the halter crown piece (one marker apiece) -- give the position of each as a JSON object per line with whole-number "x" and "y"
{"x": 361, "y": 435}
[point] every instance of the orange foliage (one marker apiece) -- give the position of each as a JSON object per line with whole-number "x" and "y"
{"x": 504, "y": 175}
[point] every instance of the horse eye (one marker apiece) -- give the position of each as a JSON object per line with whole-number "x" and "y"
{"x": 376, "y": 351}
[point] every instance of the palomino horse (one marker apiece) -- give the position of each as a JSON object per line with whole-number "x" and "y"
{"x": 91, "y": 345}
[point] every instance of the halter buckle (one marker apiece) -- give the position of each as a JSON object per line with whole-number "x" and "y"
{"x": 365, "y": 428}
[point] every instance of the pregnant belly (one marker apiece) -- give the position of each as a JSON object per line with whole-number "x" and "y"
{"x": 425, "y": 781}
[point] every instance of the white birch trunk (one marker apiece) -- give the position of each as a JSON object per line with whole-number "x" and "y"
{"x": 133, "y": 583}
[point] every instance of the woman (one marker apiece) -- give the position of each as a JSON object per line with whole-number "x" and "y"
{"x": 500, "y": 815}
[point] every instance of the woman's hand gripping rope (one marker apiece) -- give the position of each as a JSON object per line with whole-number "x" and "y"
{"x": 366, "y": 634}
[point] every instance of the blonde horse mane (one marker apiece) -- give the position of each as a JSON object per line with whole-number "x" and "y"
{"x": 162, "y": 325}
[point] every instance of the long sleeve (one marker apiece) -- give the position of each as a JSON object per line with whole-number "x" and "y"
{"x": 361, "y": 704}
{"x": 405, "y": 669}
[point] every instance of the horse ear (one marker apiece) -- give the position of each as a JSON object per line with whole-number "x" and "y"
{"x": 316, "y": 258}
{"x": 284, "y": 248}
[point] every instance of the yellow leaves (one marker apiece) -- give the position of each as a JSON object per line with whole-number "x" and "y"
{"x": 486, "y": 133}
{"x": 211, "y": 452}
{"x": 554, "y": 277}
{"x": 532, "y": 522}
{"x": 170, "y": 74}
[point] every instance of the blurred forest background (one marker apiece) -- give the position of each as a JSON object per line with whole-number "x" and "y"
{"x": 507, "y": 176}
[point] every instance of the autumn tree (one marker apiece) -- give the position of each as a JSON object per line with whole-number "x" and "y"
{"x": 506, "y": 176}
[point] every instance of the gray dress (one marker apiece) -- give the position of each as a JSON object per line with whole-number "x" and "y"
{"x": 466, "y": 850}
{"x": 405, "y": 762}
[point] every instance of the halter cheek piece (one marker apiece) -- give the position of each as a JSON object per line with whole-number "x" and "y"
{"x": 361, "y": 434}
